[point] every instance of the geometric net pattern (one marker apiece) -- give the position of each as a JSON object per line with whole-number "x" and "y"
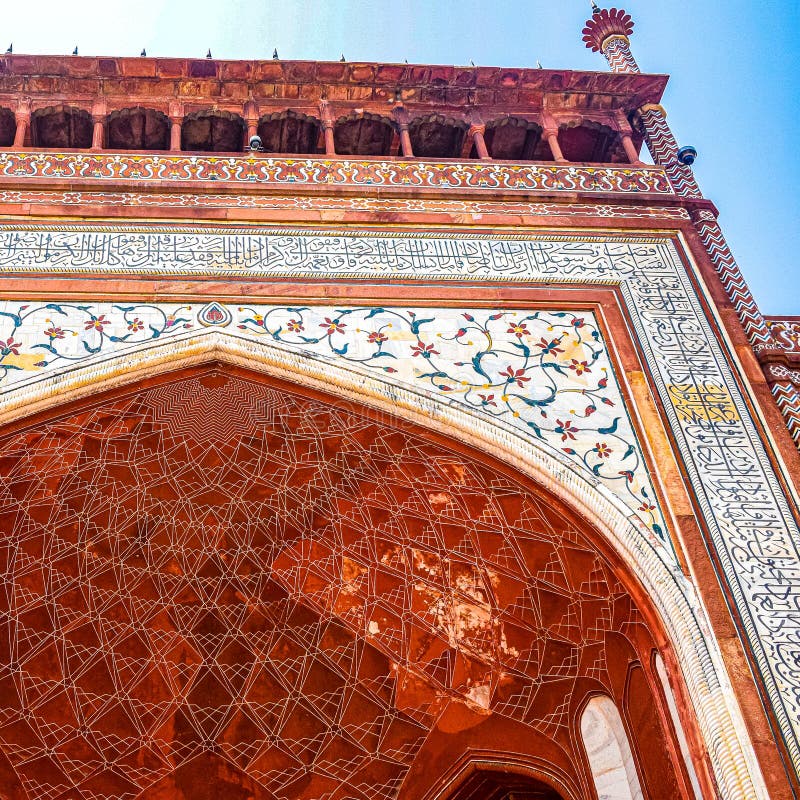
{"x": 218, "y": 588}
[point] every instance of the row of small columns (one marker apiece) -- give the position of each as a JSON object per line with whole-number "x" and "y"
{"x": 475, "y": 133}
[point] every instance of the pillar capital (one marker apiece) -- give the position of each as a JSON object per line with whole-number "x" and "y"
{"x": 657, "y": 107}
{"x": 604, "y": 24}
{"x": 622, "y": 121}
{"x": 400, "y": 116}
{"x": 475, "y": 136}
{"x": 22, "y": 117}
{"x": 325, "y": 115}
{"x": 175, "y": 112}
{"x": 23, "y": 110}
{"x": 326, "y": 123}
{"x": 250, "y": 111}
{"x": 551, "y": 135}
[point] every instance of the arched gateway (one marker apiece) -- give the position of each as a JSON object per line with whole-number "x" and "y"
{"x": 384, "y": 432}
{"x": 223, "y": 585}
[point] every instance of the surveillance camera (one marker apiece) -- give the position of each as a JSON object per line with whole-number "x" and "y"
{"x": 255, "y": 144}
{"x": 687, "y": 155}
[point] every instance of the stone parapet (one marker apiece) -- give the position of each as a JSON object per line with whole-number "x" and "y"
{"x": 128, "y": 168}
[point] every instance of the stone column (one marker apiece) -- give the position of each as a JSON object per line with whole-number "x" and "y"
{"x": 476, "y": 133}
{"x": 98, "y": 132}
{"x": 176, "y": 121}
{"x": 706, "y": 224}
{"x": 405, "y": 140}
{"x": 607, "y": 32}
{"x": 551, "y": 135}
{"x": 785, "y": 386}
{"x": 327, "y": 128}
{"x": 250, "y": 132}
{"x": 625, "y": 132}
{"x": 99, "y": 113}
{"x": 652, "y": 120}
{"x": 22, "y": 116}
{"x": 251, "y": 126}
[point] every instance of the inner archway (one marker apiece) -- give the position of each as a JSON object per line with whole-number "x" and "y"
{"x": 219, "y": 584}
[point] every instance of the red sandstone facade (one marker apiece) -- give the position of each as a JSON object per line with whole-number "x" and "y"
{"x": 237, "y": 575}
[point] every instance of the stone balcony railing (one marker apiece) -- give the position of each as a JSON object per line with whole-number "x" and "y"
{"x": 35, "y": 168}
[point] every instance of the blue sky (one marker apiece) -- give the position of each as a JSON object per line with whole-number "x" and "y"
{"x": 734, "y": 93}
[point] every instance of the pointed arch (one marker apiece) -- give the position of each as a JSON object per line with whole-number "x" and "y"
{"x": 609, "y": 751}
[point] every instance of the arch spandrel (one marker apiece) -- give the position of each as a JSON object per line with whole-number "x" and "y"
{"x": 213, "y": 346}
{"x": 546, "y": 373}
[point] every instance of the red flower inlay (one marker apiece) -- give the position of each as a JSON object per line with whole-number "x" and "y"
{"x": 580, "y": 366}
{"x": 424, "y": 350}
{"x": 97, "y": 323}
{"x": 10, "y": 346}
{"x": 514, "y": 376}
{"x": 566, "y": 429}
{"x": 602, "y": 450}
{"x": 333, "y": 326}
{"x": 550, "y": 347}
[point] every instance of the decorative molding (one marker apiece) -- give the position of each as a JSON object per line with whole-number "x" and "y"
{"x": 265, "y": 171}
{"x": 732, "y": 280}
{"x": 402, "y": 205}
{"x": 787, "y": 397}
{"x": 780, "y": 371}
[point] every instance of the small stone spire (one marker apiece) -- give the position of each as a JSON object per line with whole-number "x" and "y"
{"x": 604, "y": 23}
{"x": 607, "y": 32}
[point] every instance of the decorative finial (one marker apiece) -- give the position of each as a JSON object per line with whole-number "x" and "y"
{"x": 10, "y": 49}
{"x": 75, "y": 51}
{"x": 143, "y": 53}
{"x": 342, "y": 58}
{"x": 595, "y": 7}
{"x": 275, "y": 53}
{"x": 208, "y": 54}
{"x": 538, "y": 64}
{"x": 472, "y": 63}
{"x": 604, "y": 23}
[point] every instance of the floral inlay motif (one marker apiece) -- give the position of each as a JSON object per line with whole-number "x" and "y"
{"x": 546, "y": 372}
